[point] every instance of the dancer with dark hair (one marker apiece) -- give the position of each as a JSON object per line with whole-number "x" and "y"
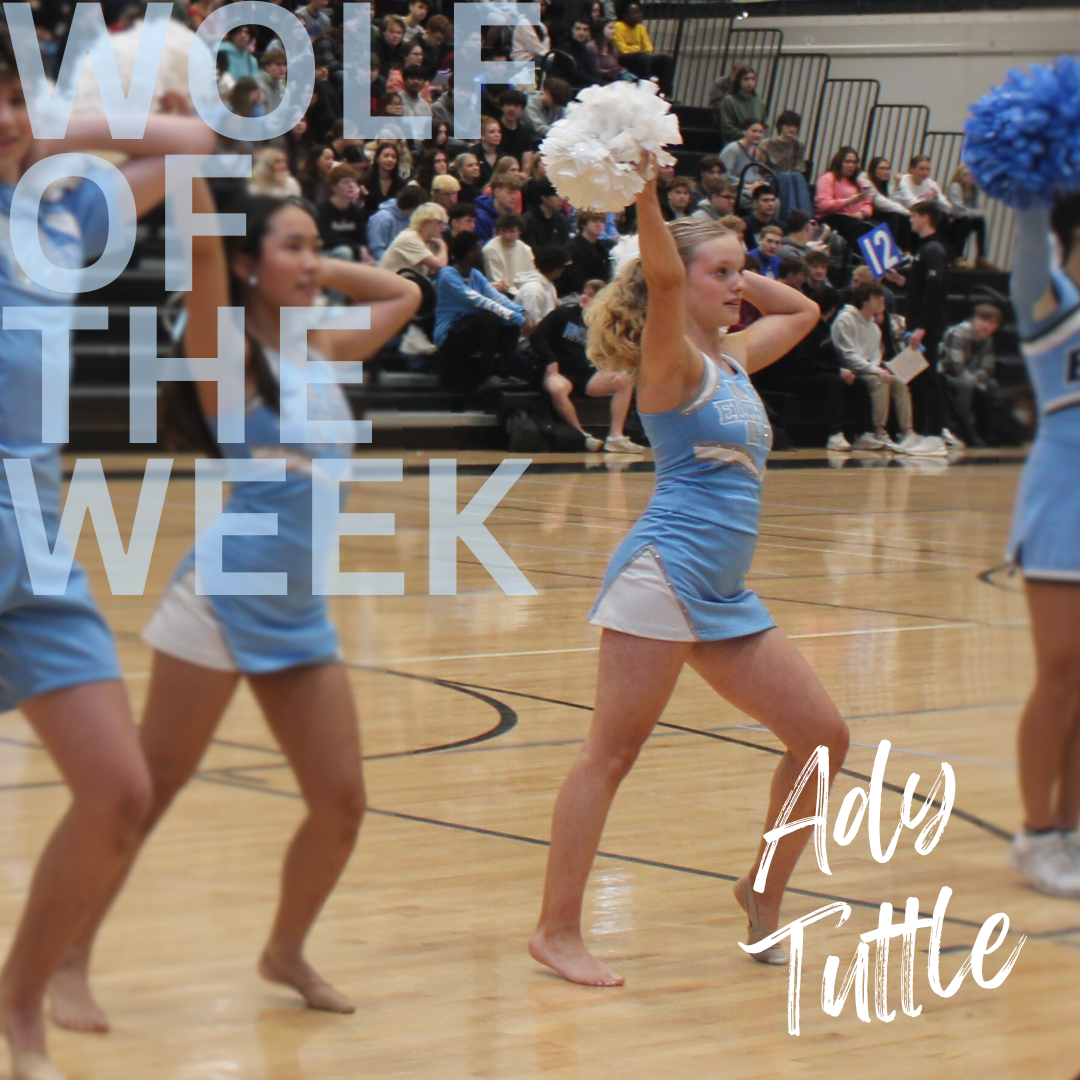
{"x": 284, "y": 645}
{"x": 674, "y": 592}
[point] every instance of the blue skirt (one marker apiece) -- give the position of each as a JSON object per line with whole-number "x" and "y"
{"x": 1045, "y": 537}
{"x": 676, "y": 578}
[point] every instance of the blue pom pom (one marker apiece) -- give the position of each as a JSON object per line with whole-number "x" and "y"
{"x": 1022, "y": 140}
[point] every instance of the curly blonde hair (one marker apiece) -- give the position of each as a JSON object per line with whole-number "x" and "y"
{"x": 616, "y": 316}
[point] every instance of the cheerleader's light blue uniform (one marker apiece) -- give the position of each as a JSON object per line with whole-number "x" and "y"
{"x": 46, "y": 642}
{"x": 262, "y": 634}
{"x": 679, "y": 573}
{"x": 1045, "y": 537}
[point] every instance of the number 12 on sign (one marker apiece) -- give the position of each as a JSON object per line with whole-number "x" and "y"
{"x": 879, "y": 249}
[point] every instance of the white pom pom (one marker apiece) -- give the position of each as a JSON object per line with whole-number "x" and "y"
{"x": 592, "y": 153}
{"x": 626, "y": 248}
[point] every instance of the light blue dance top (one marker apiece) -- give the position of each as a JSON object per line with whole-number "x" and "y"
{"x": 1045, "y": 537}
{"x": 46, "y": 642}
{"x": 272, "y": 633}
{"x": 678, "y": 574}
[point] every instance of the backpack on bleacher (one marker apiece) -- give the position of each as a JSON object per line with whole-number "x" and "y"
{"x": 539, "y": 429}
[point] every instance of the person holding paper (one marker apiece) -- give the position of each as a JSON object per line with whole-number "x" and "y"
{"x": 856, "y": 337}
{"x": 284, "y": 645}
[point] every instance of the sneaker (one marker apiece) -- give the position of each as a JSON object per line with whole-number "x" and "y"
{"x": 1071, "y": 841}
{"x": 593, "y": 445}
{"x": 918, "y": 446}
{"x": 621, "y": 444}
{"x": 869, "y": 441}
{"x": 1045, "y": 862}
{"x": 416, "y": 343}
{"x": 953, "y": 442}
{"x": 837, "y": 442}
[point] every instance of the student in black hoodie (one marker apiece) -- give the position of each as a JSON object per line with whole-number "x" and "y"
{"x": 590, "y": 257}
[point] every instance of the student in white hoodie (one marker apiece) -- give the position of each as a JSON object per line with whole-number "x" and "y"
{"x": 506, "y": 255}
{"x": 856, "y": 337}
{"x": 917, "y": 185}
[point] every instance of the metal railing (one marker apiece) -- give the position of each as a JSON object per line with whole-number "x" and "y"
{"x": 844, "y": 117}
{"x": 896, "y": 132}
{"x": 798, "y": 83}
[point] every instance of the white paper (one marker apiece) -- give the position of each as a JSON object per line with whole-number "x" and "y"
{"x": 907, "y": 365}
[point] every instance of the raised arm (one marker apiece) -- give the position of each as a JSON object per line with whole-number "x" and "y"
{"x": 671, "y": 367}
{"x": 393, "y": 300}
{"x": 787, "y": 317}
{"x": 145, "y": 168}
{"x": 210, "y": 290}
{"x": 1032, "y": 288}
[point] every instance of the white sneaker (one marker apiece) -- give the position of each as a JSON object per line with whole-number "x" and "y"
{"x": 416, "y": 343}
{"x": 930, "y": 446}
{"x": 1045, "y": 862}
{"x": 621, "y": 444}
{"x": 592, "y": 444}
{"x": 1071, "y": 842}
{"x": 838, "y": 442}
{"x": 869, "y": 441}
{"x": 953, "y": 442}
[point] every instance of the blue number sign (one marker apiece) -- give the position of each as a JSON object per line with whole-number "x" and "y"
{"x": 879, "y": 249}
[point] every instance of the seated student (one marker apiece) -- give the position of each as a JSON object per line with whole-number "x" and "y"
{"x": 719, "y": 202}
{"x": 710, "y": 167}
{"x": 766, "y": 252}
{"x": 546, "y": 221}
{"x": 391, "y": 218}
{"x": 740, "y": 159}
{"x": 840, "y": 201}
{"x": 784, "y": 152}
{"x": 488, "y": 150}
{"x": 466, "y": 167}
{"x": 877, "y": 180}
{"x": 766, "y": 206}
{"x": 604, "y": 52}
{"x": 786, "y": 156}
{"x": 445, "y": 190}
{"x": 462, "y": 219}
{"x": 590, "y": 255}
{"x": 436, "y": 38}
{"x": 506, "y": 257}
{"x": 917, "y": 185}
{"x": 476, "y": 327}
{"x": 734, "y": 101}
{"x": 799, "y": 241}
{"x": 414, "y": 21}
{"x": 576, "y": 45}
{"x": 343, "y": 223}
{"x": 635, "y": 48}
{"x": 518, "y": 136}
{"x": 419, "y": 247}
{"x": 967, "y": 363}
{"x": 271, "y": 79}
{"x": 504, "y": 199}
{"x": 546, "y": 106}
{"x": 412, "y": 99}
{"x": 679, "y": 199}
{"x": 559, "y": 343}
{"x": 736, "y": 225}
{"x": 536, "y": 292}
{"x": 856, "y": 336}
{"x": 529, "y": 41}
{"x": 968, "y": 218}
{"x": 793, "y": 273}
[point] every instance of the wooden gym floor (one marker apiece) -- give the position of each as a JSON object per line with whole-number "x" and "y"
{"x": 472, "y": 709}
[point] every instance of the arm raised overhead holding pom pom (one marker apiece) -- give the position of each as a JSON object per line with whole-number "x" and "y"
{"x": 592, "y": 153}
{"x": 1022, "y": 140}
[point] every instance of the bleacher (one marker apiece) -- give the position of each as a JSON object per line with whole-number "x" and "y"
{"x": 409, "y": 409}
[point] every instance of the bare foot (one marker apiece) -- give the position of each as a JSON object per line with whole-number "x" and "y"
{"x": 25, "y": 1032}
{"x": 305, "y": 980}
{"x": 568, "y": 957}
{"x": 72, "y": 1005}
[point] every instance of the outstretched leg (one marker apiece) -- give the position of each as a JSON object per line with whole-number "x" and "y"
{"x": 620, "y": 388}
{"x": 311, "y": 713}
{"x": 560, "y": 388}
{"x": 183, "y": 707}
{"x": 88, "y": 731}
{"x": 766, "y": 677}
{"x": 634, "y": 683}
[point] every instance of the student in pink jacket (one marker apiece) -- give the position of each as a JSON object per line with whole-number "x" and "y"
{"x": 839, "y": 199}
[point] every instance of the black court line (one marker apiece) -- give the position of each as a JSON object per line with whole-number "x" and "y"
{"x": 990, "y": 577}
{"x": 971, "y": 819}
{"x": 635, "y": 860}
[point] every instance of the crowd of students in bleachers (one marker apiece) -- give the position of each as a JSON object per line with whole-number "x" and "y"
{"x": 506, "y": 261}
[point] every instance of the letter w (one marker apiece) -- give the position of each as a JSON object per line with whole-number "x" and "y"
{"x": 50, "y": 113}
{"x": 49, "y": 570}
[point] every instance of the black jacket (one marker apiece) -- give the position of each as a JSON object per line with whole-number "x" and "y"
{"x": 541, "y": 230}
{"x": 927, "y": 298}
{"x": 587, "y": 261}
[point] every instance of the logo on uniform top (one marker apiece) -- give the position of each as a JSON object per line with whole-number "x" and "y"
{"x": 1072, "y": 366}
